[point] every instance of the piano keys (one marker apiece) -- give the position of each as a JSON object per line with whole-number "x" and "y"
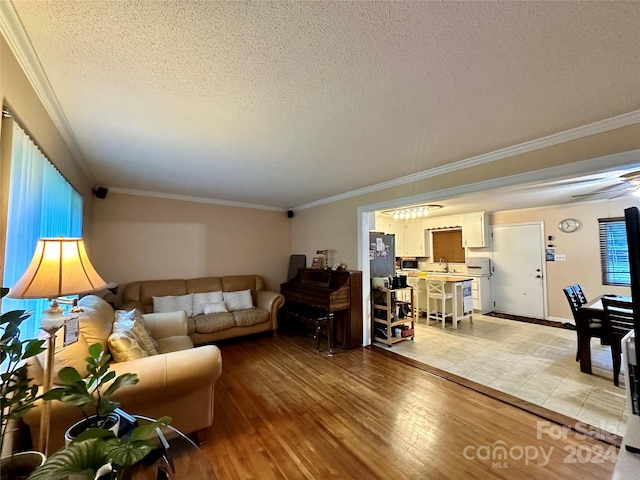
{"x": 337, "y": 293}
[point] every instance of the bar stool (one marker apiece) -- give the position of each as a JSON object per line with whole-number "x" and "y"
{"x": 437, "y": 302}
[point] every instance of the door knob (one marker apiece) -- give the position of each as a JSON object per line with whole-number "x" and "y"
{"x": 538, "y": 276}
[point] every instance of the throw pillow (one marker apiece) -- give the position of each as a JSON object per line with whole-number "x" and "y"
{"x": 139, "y": 318}
{"x": 73, "y": 355}
{"x": 215, "y": 307}
{"x": 239, "y": 300}
{"x": 124, "y": 346}
{"x": 174, "y": 304}
{"x": 200, "y": 299}
{"x": 126, "y": 322}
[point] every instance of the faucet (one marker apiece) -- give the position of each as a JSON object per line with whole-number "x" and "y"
{"x": 446, "y": 264}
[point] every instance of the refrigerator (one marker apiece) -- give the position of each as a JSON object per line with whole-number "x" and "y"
{"x": 382, "y": 254}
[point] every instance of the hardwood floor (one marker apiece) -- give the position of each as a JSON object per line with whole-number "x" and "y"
{"x": 283, "y": 411}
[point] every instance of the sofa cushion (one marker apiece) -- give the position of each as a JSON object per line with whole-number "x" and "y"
{"x": 161, "y": 288}
{"x": 73, "y": 355}
{"x": 124, "y": 346}
{"x": 202, "y": 298}
{"x": 171, "y": 303}
{"x": 251, "y": 316}
{"x": 174, "y": 344}
{"x": 214, "y": 322}
{"x": 95, "y": 321}
{"x": 215, "y": 307}
{"x": 239, "y": 300}
{"x": 204, "y": 284}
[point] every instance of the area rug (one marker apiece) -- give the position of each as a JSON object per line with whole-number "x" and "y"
{"x": 537, "y": 321}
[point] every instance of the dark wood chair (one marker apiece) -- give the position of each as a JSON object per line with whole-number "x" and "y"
{"x": 594, "y": 328}
{"x": 620, "y": 322}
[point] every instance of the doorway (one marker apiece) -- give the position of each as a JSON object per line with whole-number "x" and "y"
{"x": 518, "y": 281}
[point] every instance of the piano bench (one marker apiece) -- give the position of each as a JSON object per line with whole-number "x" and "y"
{"x": 315, "y": 316}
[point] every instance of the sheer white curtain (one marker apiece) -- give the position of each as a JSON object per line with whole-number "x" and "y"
{"x": 41, "y": 204}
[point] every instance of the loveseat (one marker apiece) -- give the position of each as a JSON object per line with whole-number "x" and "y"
{"x": 178, "y": 381}
{"x": 212, "y": 314}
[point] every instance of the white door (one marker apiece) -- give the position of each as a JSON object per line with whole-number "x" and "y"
{"x": 518, "y": 270}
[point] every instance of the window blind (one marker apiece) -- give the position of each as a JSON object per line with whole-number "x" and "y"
{"x": 614, "y": 252}
{"x": 448, "y": 244}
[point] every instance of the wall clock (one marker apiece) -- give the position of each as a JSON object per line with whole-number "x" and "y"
{"x": 569, "y": 225}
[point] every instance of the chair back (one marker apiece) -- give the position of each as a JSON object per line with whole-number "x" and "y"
{"x": 582, "y": 298}
{"x": 620, "y": 316}
{"x": 435, "y": 287}
{"x": 574, "y": 301}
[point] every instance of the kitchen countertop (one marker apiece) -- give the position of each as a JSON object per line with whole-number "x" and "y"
{"x": 449, "y": 278}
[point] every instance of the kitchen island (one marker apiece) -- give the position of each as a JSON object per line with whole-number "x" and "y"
{"x": 445, "y": 297}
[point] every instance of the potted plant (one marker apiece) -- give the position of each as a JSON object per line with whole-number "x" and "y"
{"x": 97, "y": 448}
{"x": 92, "y": 391}
{"x": 17, "y": 394}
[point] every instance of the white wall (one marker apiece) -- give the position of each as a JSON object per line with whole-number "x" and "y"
{"x": 144, "y": 238}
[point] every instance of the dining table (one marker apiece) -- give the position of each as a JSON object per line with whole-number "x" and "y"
{"x": 591, "y": 310}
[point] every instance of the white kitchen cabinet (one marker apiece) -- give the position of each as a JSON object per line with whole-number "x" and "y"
{"x": 481, "y": 293}
{"x": 426, "y": 235}
{"x": 414, "y": 239}
{"x": 474, "y": 230}
{"x": 389, "y": 225}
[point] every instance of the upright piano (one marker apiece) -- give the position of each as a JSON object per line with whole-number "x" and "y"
{"x": 337, "y": 293}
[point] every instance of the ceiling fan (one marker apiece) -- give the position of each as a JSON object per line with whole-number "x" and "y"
{"x": 626, "y": 184}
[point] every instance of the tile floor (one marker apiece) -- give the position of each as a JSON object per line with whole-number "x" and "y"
{"x": 533, "y": 362}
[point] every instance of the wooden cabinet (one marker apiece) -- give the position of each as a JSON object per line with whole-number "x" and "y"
{"x": 393, "y": 315}
{"x": 474, "y": 230}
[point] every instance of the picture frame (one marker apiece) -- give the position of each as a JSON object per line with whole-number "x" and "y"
{"x": 318, "y": 262}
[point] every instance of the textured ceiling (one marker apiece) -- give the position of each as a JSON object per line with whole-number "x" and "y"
{"x": 286, "y": 103}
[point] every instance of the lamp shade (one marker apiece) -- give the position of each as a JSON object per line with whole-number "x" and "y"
{"x": 60, "y": 266}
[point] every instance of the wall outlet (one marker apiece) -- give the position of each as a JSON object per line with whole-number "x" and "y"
{"x": 560, "y": 258}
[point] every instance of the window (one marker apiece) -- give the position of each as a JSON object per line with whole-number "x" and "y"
{"x": 614, "y": 253}
{"x": 448, "y": 244}
{"x": 41, "y": 204}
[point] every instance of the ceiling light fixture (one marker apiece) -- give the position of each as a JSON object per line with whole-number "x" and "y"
{"x": 412, "y": 212}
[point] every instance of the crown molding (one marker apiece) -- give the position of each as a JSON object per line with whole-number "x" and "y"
{"x": 595, "y": 128}
{"x": 12, "y": 30}
{"x": 585, "y": 167}
{"x": 187, "y": 198}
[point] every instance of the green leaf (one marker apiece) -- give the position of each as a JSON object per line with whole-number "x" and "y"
{"x": 128, "y": 454}
{"x": 148, "y": 430}
{"x": 106, "y": 406}
{"x": 79, "y": 458}
{"x": 106, "y": 378}
{"x": 90, "y": 433}
{"x": 69, "y": 375}
{"x": 95, "y": 350}
{"x": 33, "y": 348}
{"x": 122, "y": 381}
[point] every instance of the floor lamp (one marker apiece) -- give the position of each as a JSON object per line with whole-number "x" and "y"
{"x": 60, "y": 266}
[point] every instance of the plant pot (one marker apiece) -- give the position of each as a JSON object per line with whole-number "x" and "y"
{"x": 111, "y": 422}
{"x": 20, "y": 465}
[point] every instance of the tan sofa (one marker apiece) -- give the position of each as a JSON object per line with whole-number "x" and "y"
{"x": 205, "y": 328}
{"x": 178, "y": 382}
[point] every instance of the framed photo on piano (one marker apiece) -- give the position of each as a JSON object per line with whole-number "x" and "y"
{"x": 318, "y": 262}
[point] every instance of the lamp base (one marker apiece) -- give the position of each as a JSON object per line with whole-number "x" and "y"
{"x": 52, "y": 318}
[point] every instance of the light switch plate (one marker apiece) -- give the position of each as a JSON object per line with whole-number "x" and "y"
{"x": 560, "y": 258}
